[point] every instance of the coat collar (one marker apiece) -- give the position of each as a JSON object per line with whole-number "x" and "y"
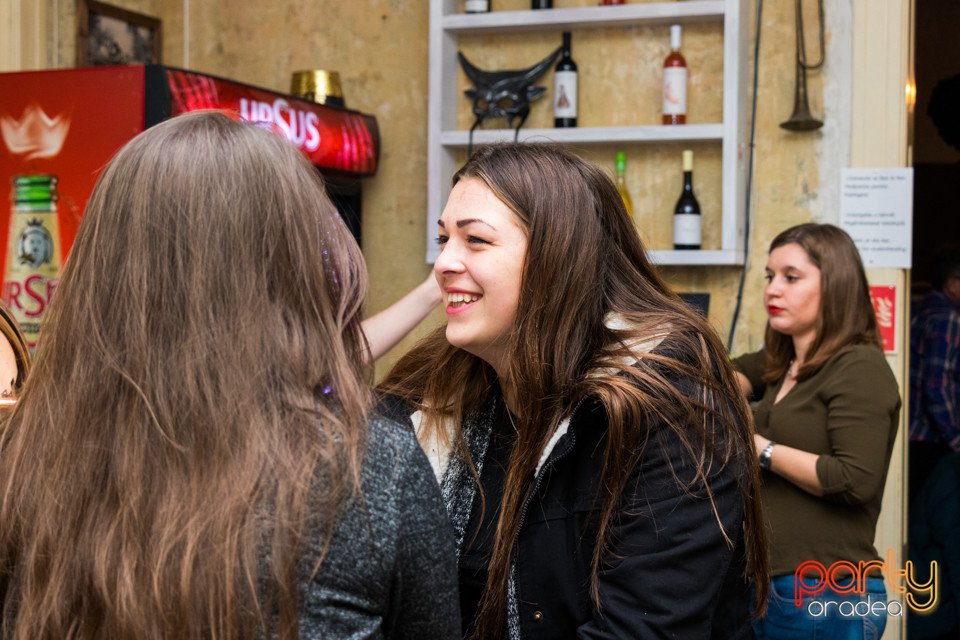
{"x": 438, "y": 444}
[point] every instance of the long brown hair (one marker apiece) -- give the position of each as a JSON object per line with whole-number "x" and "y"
{"x": 197, "y": 377}
{"x": 846, "y": 315}
{"x": 585, "y": 261}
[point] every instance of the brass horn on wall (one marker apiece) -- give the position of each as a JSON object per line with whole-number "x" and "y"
{"x": 801, "y": 119}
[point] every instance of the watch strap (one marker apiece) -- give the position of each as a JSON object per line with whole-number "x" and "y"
{"x": 766, "y": 456}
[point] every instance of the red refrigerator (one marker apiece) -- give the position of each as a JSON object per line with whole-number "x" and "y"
{"x": 59, "y": 128}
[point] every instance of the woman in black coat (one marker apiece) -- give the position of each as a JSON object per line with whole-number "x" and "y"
{"x": 585, "y": 425}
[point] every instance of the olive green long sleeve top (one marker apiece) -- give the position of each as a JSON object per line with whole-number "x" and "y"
{"x": 847, "y": 413}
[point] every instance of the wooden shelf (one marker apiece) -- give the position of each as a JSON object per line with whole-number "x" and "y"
{"x": 650, "y": 133}
{"x": 585, "y": 17}
{"x": 696, "y": 257}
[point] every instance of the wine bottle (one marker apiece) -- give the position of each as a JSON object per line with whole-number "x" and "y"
{"x": 675, "y": 82}
{"x": 565, "y": 88}
{"x": 621, "y": 180}
{"x": 476, "y": 6}
{"x": 686, "y": 215}
{"x": 541, "y": 4}
{"x": 612, "y": 2}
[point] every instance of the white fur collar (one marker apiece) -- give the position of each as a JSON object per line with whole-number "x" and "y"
{"x": 438, "y": 453}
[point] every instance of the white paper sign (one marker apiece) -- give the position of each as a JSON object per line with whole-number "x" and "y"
{"x": 876, "y": 209}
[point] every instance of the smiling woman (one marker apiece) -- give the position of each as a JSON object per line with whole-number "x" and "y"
{"x": 479, "y": 269}
{"x": 573, "y": 408}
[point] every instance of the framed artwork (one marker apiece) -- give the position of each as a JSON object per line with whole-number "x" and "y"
{"x": 108, "y": 35}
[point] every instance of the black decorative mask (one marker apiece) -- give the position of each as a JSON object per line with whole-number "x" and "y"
{"x": 504, "y": 94}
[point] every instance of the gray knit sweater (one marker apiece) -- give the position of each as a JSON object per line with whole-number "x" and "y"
{"x": 391, "y": 568}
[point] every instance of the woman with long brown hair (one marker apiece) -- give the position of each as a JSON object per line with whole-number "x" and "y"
{"x": 826, "y": 417}
{"x": 192, "y": 455}
{"x": 585, "y": 425}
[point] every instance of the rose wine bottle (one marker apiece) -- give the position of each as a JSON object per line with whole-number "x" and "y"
{"x": 675, "y": 82}
{"x": 621, "y": 180}
{"x": 686, "y": 215}
{"x": 476, "y": 6}
{"x": 612, "y": 2}
{"x": 565, "y": 88}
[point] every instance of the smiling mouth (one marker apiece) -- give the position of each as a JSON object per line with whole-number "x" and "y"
{"x": 457, "y": 300}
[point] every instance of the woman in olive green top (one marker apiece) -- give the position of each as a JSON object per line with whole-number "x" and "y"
{"x": 826, "y": 419}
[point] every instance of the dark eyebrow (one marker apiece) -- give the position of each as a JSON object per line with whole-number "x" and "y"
{"x": 463, "y": 223}
{"x": 789, "y": 269}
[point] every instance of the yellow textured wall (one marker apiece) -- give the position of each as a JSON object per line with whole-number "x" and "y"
{"x": 786, "y": 180}
{"x": 380, "y": 49}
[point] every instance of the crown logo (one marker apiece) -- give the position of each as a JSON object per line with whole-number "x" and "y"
{"x": 36, "y": 134}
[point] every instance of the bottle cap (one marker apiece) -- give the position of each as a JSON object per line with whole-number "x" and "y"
{"x": 319, "y": 85}
{"x": 688, "y": 160}
{"x": 621, "y": 162}
{"x": 34, "y": 188}
{"x": 675, "y": 37}
{"x": 40, "y": 178}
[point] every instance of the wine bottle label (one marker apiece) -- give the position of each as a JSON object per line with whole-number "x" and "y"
{"x": 675, "y": 91}
{"x": 477, "y": 6}
{"x": 686, "y": 228}
{"x": 565, "y": 95}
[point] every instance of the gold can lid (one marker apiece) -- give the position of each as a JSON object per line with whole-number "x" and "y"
{"x": 318, "y": 85}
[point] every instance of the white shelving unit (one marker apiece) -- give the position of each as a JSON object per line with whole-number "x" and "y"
{"x": 444, "y": 139}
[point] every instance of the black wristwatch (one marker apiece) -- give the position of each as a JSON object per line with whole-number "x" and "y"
{"x": 766, "y": 455}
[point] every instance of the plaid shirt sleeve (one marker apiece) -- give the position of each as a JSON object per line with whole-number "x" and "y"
{"x": 939, "y": 371}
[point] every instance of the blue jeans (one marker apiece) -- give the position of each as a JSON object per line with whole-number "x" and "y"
{"x": 824, "y": 616}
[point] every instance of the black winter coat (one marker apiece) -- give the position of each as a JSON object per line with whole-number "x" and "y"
{"x": 671, "y": 573}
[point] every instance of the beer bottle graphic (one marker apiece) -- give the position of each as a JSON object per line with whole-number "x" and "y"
{"x": 33, "y": 251}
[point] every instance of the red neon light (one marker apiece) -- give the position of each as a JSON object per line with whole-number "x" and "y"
{"x": 337, "y": 140}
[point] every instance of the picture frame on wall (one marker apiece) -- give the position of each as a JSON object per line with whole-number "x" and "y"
{"x": 109, "y": 35}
